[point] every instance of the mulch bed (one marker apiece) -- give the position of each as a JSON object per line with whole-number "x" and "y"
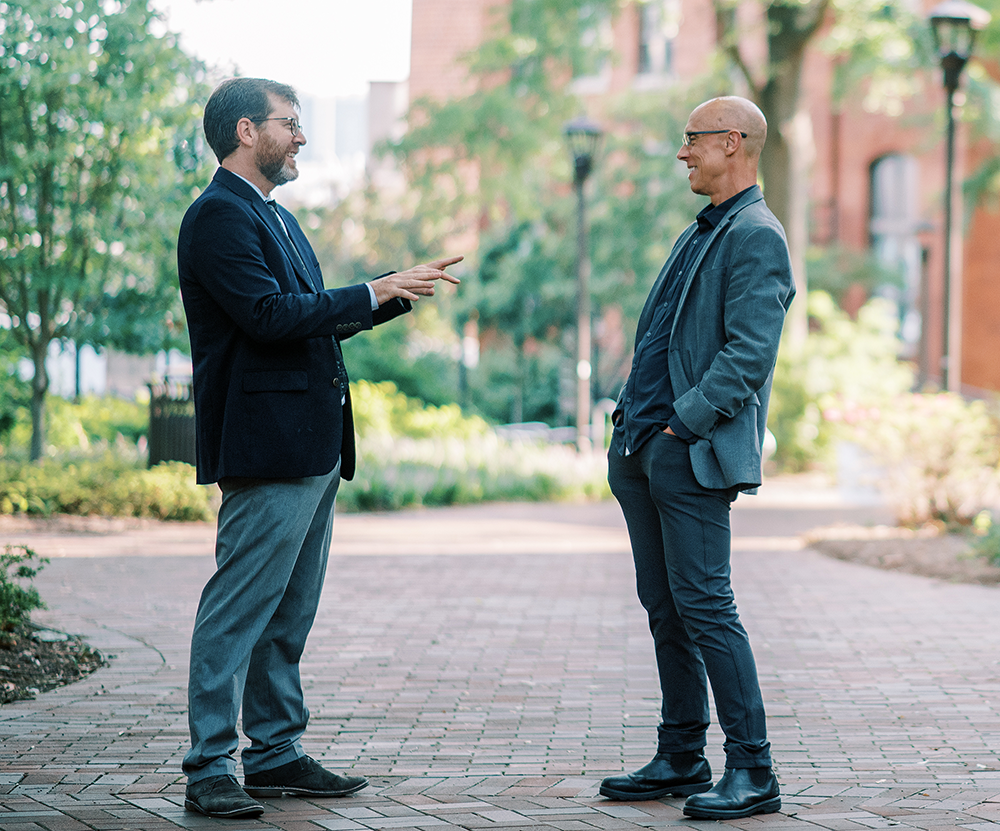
{"x": 928, "y": 552}
{"x": 34, "y": 660}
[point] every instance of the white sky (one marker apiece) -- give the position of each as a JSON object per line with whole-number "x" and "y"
{"x": 323, "y": 48}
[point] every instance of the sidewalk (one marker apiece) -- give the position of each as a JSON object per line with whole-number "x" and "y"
{"x": 487, "y": 666}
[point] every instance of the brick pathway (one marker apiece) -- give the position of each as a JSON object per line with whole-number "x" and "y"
{"x": 487, "y": 666}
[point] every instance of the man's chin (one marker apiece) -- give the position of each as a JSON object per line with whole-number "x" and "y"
{"x": 285, "y": 175}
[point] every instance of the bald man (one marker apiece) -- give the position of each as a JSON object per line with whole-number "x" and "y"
{"x": 689, "y": 428}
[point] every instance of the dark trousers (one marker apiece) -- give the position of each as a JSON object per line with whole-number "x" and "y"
{"x": 681, "y": 544}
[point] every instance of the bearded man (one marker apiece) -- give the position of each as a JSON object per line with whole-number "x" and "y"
{"x": 274, "y": 429}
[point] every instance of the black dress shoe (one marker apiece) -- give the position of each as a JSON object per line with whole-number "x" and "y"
{"x": 303, "y": 777}
{"x": 220, "y": 796}
{"x": 676, "y": 774}
{"x": 741, "y": 792}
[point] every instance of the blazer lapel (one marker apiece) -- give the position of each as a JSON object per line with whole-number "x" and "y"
{"x": 274, "y": 225}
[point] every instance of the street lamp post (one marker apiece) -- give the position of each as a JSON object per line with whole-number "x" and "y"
{"x": 583, "y": 137}
{"x": 954, "y": 24}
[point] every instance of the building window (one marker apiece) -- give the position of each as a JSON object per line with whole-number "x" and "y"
{"x": 659, "y": 21}
{"x": 593, "y": 74}
{"x": 894, "y": 228}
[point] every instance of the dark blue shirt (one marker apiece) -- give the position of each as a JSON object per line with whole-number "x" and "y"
{"x": 647, "y": 403}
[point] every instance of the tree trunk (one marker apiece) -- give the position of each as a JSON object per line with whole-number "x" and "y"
{"x": 784, "y": 168}
{"x": 39, "y": 388}
{"x": 788, "y": 152}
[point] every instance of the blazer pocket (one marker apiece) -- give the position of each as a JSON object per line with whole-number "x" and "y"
{"x": 275, "y": 380}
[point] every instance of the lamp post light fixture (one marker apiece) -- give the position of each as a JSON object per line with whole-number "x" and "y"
{"x": 954, "y": 24}
{"x": 583, "y": 137}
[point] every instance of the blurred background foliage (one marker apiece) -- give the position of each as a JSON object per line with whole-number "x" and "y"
{"x": 98, "y": 161}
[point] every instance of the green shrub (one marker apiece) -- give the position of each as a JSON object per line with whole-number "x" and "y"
{"x": 17, "y": 601}
{"x": 986, "y": 537}
{"x": 396, "y": 473}
{"x": 936, "y": 456}
{"x": 381, "y": 409}
{"x": 417, "y": 455}
{"x": 90, "y": 424}
{"x": 933, "y": 456}
{"x": 844, "y": 368}
{"x": 105, "y": 486}
{"x": 410, "y": 455}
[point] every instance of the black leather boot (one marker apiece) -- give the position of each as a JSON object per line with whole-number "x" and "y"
{"x": 676, "y": 774}
{"x": 741, "y": 792}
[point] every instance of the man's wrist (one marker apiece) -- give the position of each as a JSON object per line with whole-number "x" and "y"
{"x": 679, "y": 429}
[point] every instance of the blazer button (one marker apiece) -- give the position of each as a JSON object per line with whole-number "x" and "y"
{"x": 336, "y": 382}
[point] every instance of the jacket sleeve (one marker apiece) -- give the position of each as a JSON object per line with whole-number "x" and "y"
{"x": 229, "y": 255}
{"x": 758, "y": 290}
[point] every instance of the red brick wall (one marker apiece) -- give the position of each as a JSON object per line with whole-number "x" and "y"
{"x": 981, "y": 295}
{"x": 443, "y": 31}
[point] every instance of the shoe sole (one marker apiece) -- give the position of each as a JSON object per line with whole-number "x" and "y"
{"x": 678, "y": 790}
{"x": 274, "y": 791}
{"x": 239, "y": 812}
{"x": 771, "y": 806}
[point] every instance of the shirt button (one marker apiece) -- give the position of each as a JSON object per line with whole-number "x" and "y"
{"x": 336, "y": 382}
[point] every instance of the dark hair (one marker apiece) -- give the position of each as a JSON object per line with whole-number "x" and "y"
{"x": 238, "y": 98}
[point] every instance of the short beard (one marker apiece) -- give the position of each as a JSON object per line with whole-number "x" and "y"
{"x": 273, "y": 164}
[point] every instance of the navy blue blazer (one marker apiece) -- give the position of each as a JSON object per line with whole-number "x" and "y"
{"x": 269, "y": 379}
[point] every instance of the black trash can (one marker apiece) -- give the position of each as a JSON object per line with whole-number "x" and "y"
{"x": 171, "y": 423}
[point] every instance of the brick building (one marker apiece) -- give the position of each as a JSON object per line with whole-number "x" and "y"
{"x": 876, "y": 181}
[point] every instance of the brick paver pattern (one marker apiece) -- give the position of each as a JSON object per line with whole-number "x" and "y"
{"x": 487, "y": 666}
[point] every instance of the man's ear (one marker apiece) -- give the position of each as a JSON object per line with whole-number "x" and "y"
{"x": 733, "y": 142}
{"x": 246, "y": 132}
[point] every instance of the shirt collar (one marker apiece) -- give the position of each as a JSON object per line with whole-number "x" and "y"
{"x": 259, "y": 191}
{"x": 711, "y": 215}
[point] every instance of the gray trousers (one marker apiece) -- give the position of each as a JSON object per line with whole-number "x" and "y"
{"x": 681, "y": 546}
{"x": 256, "y": 611}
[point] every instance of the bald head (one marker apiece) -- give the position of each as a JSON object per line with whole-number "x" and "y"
{"x": 730, "y": 112}
{"x": 723, "y": 141}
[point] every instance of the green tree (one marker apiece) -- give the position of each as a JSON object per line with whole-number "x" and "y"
{"x": 368, "y": 234}
{"x": 13, "y": 392}
{"x": 97, "y": 160}
{"x": 495, "y": 163}
{"x": 767, "y": 43}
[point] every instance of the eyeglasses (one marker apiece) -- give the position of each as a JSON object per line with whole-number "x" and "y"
{"x": 291, "y": 123}
{"x": 689, "y": 137}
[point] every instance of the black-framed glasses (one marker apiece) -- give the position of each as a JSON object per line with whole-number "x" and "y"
{"x": 291, "y": 123}
{"x": 691, "y": 135}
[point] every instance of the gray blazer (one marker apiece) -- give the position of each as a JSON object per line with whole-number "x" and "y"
{"x": 724, "y": 340}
